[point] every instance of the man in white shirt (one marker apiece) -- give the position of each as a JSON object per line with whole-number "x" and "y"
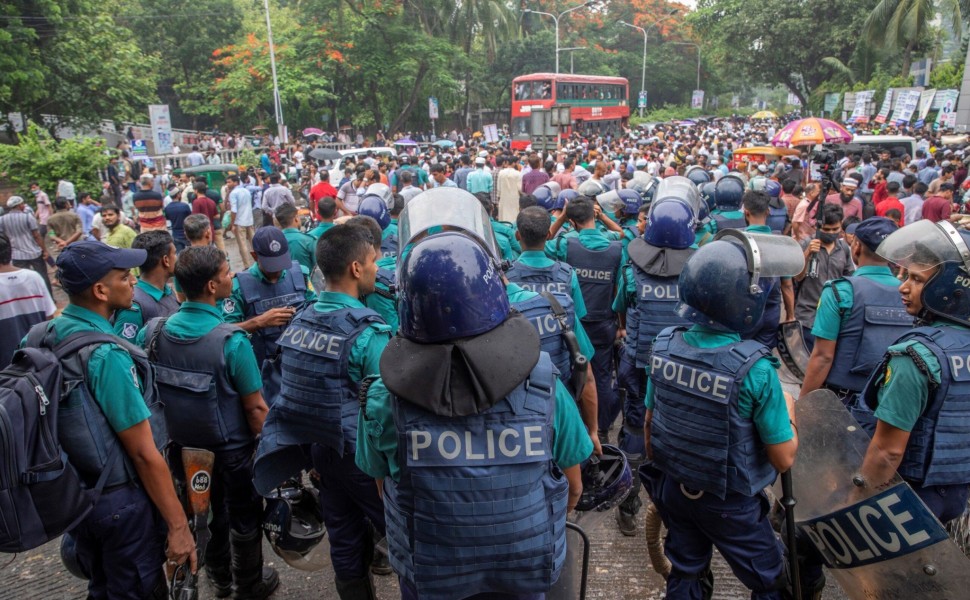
{"x": 241, "y": 221}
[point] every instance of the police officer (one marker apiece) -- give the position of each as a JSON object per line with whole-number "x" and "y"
{"x": 756, "y": 208}
{"x": 389, "y": 241}
{"x": 122, "y": 542}
{"x": 504, "y": 232}
{"x": 858, "y": 317}
{"x": 778, "y": 219}
{"x": 729, "y": 193}
{"x": 265, "y": 297}
{"x": 596, "y": 260}
{"x": 383, "y": 299}
{"x": 645, "y": 302}
{"x": 717, "y": 427}
{"x": 301, "y": 245}
{"x": 328, "y": 350}
{"x": 153, "y": 296}
{"x": 478, "y": 453}
{"x": 918, "y": 393}
{"x": 210, "y": 383}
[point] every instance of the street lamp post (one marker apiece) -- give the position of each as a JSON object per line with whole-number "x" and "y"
{"x": 556, "y": 18}
{"x": 571, "y": 50}
{"x": 643, "y": 73}
{"x": 277, "y": 106}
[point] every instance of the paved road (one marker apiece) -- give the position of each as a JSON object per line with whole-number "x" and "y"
{"x": 619, "y": 566}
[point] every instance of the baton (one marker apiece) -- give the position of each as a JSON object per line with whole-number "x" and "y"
{"x": 788, "y": 501}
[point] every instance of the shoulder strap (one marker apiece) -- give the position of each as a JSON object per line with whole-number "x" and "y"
{"x": 152, "y": 330}
{"x": 838, "y": 297}
{"x": 557, "y": 310}
{"x": 38, "y": 336}
{"x": 78, "y": 341}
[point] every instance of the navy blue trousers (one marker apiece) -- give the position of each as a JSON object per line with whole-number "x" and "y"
{"x": 409, "y": 593}
{"x": 737, "y": 526}
{"x": 121, "y": 544}
{"x": 350, "y": 505}
{"x": 630, "y": 441}
{"x": 602, "y": 334}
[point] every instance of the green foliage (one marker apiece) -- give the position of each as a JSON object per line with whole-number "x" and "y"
{"x": 39, "y": 157}
{"x": 947, "y": 76}
{"x": 247, "y": 158}
{"x": 678, "y": 112}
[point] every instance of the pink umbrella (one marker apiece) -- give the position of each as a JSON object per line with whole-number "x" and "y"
{"x": 811, "y": 131}
{"x": 312, "y": 131}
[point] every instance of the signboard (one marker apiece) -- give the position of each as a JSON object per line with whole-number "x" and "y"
{"x": 947, "y": 117}
{"x": 887, "y": 103}
{"x": 920, "y": 71}
{"x": 860, "y": 113}
{"x": 697, "y": 99}
{"x": 793, "y": 100}
{"x": 735, "y": 101}
{"x": 925, "y": 102}
{"x": 433, "y": 108}
{"x": 831, "y": 102}
{"x": 642, "y": 100}
{"x": 940, "y": 97}
{"x": 138, "y": 148}
{"x": 491, "y": 133}
{"x": 906, "y": 105}
{"x": 161, "y": 122}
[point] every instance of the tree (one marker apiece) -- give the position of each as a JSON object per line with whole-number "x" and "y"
{"x": 39, "y": 157}
{"x": 903, "y": 24}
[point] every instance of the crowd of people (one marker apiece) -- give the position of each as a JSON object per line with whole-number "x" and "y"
{"x": 436, "y": 357}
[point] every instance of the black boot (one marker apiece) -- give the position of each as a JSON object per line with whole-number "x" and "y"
{"x": 217, "y": 568}
{"x": 251, "y": 580}
{"x": 356, "y": 589}
{"x": 380, "y": 565}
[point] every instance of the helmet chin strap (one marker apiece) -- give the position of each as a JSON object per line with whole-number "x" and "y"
{"x": 925, "y": 317}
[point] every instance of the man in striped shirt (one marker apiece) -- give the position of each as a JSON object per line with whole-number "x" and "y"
{"x": 28, "y": 248}
{"x": 149, "y": 205}
{"x": 24, "y": 302}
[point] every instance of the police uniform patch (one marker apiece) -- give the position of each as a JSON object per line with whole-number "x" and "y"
{"x": 129, "y": 331}
{"x": 134, "y": 376}
{"x": 228, "y": 306}
{"x": 274, "y": 246}
{"x": 889, "y": 374}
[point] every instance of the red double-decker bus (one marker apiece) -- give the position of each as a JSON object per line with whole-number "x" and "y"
{"x": 597, "y": 104}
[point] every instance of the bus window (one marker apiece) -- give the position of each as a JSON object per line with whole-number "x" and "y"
{"x": 520, "y": 125}
{"x": 543, "y": 90}
{"x": 561, "y": 91}
{"x": 523, "y": 90}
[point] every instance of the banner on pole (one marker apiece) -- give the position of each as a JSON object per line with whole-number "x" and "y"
{"x": 642, "y": 100}
{"x": 947, "y": 115}
{"x": 906, "y": 105}
{"x": 887, "y": 103}
{"x": 433, "y": 108}
{"x": 161, "y": 123}
{"x": 831, "y": 102}
{"x": 860, "y": 112}
{"x": 697, "y": 99}
{"x": 925, "y": 103}
{"x": 491, "y": 133}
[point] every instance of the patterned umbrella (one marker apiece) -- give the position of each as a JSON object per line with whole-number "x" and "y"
{"x": 811, "y": 131}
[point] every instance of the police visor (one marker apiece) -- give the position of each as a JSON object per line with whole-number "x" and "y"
{"x": 768, "y": 255}
{"x": 681, "y": 188}
{"x": 926, "y": 244}
{"x": 445, "y": 208}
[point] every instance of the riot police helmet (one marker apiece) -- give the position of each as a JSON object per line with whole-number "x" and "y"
{"x": 564, "y": 197}
{"x": 293, "y": 525}
{"x": 729, "y": 189}
{"x": 670, "y": 224}
{"x": 772, "y": 188}
{"x": 445, "y": 209}
{"x": 719, "y": 284}
{"x": 69, "y": 556}
{"x": 382, "y": 191}
{"x": 545, "y": 199}
{"x": 631, "y": 201}
{"x": 374, "y": 207}
{"x": 449, "y": 287}
{"x": 698, "y": 175}
{"x": 709, "y": 195}
{"x": 591, "y": 188}
{"x": 607, "y": 481}
{"x": 941, "y": 246}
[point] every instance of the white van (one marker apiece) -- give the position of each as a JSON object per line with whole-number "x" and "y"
{"x": 898, "y": 145}
{"x": 357, "y": 154}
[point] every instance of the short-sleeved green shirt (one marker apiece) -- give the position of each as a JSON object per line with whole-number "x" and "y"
{"x": 112, "y": 377}
{"x": 761, "y": 398}
{"x": 593, "y": 239}
{"x": 133, "y": 314}
{"x": 832, "y": 314}
{"x": 196, "y": 319}
{"x": 234, "y": 308}
{"x": 519, "y": 294}
{"x": 386, "y": 307}
{"x": 302, "y": 248}
{"x": 365, "y": 356}
{"x": 727, "y": 214}
{"x": 391, "y": 230}
{"x": 377, "y": 434}
{"x": 320, "y": 229}
{"x": 903, "y": 394}
{"x": 538, "y": 260}
{"x": 505, "y": 236}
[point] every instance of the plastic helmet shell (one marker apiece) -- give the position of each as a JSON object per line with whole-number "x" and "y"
{"x": 730, "y": 190}
{"x": 607, "y": 481}
{"x": 564, "y": 197}
{"x": 544, "y": 197}
{"x": 554, "y": 187}
{"x": 383, "y": 192}
{"x": 591, "y": 188}
{"x": 449, "y": 288}
{"x": 69, "y": 556}
{"x": 293, "y": 525}
{"x": 374, "y": 207}
{"x": 670, "y": 224}
{"x": 709, "y": 195}
{"x": 631, "y": 201}
{"x": 715, "y": 289}
{"x": 698, "y": 175}
{"x": 772, "y": 188}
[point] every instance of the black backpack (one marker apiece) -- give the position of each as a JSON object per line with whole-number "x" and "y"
{"x": 41, "y": 494}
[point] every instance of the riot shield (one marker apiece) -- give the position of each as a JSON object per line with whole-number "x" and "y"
{"x": 571, "y": 584}
{"x": 792, "y": 348}
{"x": 879, "y": 541}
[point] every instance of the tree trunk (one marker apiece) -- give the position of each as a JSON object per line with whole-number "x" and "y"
{"x": 402, "y": 118}
{"x": 908, "y": 57}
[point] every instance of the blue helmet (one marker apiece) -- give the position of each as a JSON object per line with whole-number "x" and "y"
{"x": 564, "y": 197}
{"x": 544, "y": 196}
{"x": 698, "y": 175}
{"x": 773, "y": 188}
{"x": 709, "y": 195}
{"x": 925, "y": 244}
{"x": 670, "y": 224}
{"x": 69, "y": 557}
{"x": 449, "y": 288}
{"x": 729, "y": 191}
{"x": 719, "y": 286}
{"x": 607, "y": 481}
{"x": 631, "y": 201}
{"x": 373, "y": 206}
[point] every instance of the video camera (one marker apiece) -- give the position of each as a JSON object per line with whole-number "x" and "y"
{"x": 826, "y": 161}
